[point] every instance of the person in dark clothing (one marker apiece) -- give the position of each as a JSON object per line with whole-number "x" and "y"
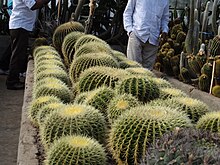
{"x": 21, "y": 23}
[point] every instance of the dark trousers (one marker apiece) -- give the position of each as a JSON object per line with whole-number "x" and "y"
{"x": 5, "y": 60}
{"x": 18, "y": 61}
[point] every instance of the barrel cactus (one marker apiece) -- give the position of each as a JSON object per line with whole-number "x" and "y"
{"x": 98, "y": 98}
{"x": 98, "y": 76}
{"x": 89, "y": 60}
{"x": 184, "y": 146}
{"x": 140, "y": 87}
{"x": 41, "y": 50}
{"x": 160, "y": 82}
{"x": 73, "y": 119}
{"x": 120, "y": 104}
{"x": 134, "y": 130}
{"x": 68, "y": 49}
{"x": 207, "y": 69}
{"x": 85, "y": 39}
{"x": 46, "y": 110}
{"x": 53, "y": 86}
{"x": 76, "y": 149}
{"x": 216, "y": 91}
{"x": 129, "y": 64}
{"x": 92, "y": 47}
{"x": 210, "y": 122}
{"x": 37, "y": 104}
{"x": 62, "y": 30}
{"x": 118, "y": 55}
{"x": 192, "y": 107}
{"x": 141, "y": 71}
{"x": 167, "y": 92}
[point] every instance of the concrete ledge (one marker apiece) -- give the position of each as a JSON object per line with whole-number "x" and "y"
{"x": 27, "y": 148}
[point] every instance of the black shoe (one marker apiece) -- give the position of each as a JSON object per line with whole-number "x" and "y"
{"x": 16, "y": 86}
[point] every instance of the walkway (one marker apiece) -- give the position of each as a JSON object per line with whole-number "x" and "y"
{"x": 10, "y": 117}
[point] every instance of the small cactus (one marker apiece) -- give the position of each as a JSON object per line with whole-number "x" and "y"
{"x": 76, "y": 149}
{"x": 216, "y": 91}
{"x": 184, "y": 146}
{"x": 204, "y": 83}
{"x": 140, "y": 87}
{"x": 167, "y": 92}
{"x": 89, "y": 60}
{"x": 215, "y": 46}
{"x": 73, "y": 119}
{"x": 210, "y": 122}
{"x": 62, "y": 30}
{"x": 141, "y": 71}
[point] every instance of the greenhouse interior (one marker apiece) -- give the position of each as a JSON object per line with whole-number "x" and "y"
{"x": 122, "y": 82}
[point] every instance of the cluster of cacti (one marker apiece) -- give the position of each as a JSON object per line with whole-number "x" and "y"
{"x": 210, "y": 122}
{"x": 73, "y": 119}
{"x": 86, "y": 61}
{"x": 134, "y": 130}
{"x": 62, "y": 30}
{"x": 184, "y": 146}
{"x": 140, "y": 87}
{"x": 76, "y": 149}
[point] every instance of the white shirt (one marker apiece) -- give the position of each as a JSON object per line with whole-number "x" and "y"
{"x": 22, "y": 16}
{"x": 147, "y": 18}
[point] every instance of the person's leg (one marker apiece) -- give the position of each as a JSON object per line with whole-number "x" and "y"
{"x": 134, "y": 49}
{"x": 19, "y": 44}
{"x": 149, "y": 55}
{"x": 5, "y": 60}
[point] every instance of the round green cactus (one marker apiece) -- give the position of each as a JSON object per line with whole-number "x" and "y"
{"x": 68, "y": 49}
{"x": 194, "y": 65}
{"x": 41, "y": 50}
{"x": 184, "y": 146}
{"x": 37, "y": 104}
{"x": 52, "y": 86}
{"x": 47, "y": 57}
{"x": 85, "y": 39}
{"x": 92, "y": 47}
{"x": 62, "y": 30}
{"x": 129, "y": 64}
{"x": 192, "y": 107}
{"x": 140, "y": 87}
{"x": 76, "y": 149}
{"x": 118, "y": 55}
{"x": 46, "y": 110}
{"x": 98, "y": 98}
{"x": 141, "y": 71}
{"x": 120, "y": 104}
{"x": 185, "y": 75}
{"x": 57, "y": 72}
{"x": 73, "y": 119}
{"x": 210, "y": 122}
{"x": 216, "y": 91}
{"x": 168, "y": 92}
{"x": 160, "y": 82}
{"x": 49, "y": 64}
{"x": 134, "y": 130}
{"x": 97, "y": 76}
{"x": 89, "y": 60}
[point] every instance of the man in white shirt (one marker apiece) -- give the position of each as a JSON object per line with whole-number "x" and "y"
{"x": 21, "y": 22}
{"x": 144, "y": 21}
